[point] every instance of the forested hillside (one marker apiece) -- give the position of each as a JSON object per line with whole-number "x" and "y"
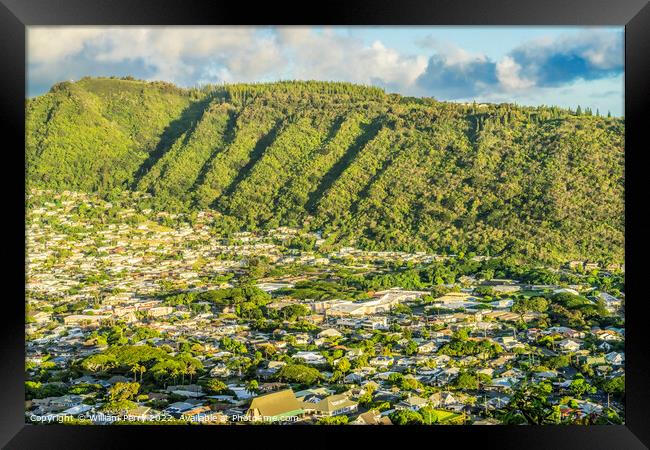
{"x": 378, "y": 170}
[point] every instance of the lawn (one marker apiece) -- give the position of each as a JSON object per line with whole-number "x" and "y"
{"x": 446, "y": 417}
{"x": 529, "y": 294}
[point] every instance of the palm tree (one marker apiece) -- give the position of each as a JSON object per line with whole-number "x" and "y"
{"x": 142, "y": 369}
{"x": 191, "y": 370}
{"x": 183, "y": 371}
{"x": 135, "y": 368}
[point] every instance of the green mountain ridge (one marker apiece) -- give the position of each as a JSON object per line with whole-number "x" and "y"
{"x": 379, "y": 170}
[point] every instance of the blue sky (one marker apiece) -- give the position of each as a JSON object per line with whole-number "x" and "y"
{"x": 564, "y": 66}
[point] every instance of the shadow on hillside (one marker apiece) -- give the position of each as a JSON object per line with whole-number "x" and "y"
{"x": 260, "y": 147}
{"x": 368, "y": 133}
{"x": 311, "y": 157}
{"x": 229, "y": 137}
{"x": 364, "y": 192}
{"x": 185, "y": 123}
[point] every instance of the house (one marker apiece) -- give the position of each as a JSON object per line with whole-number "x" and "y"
{"x": 608, "y": 335}
{"x": 240, "y": 392}
{"x": 565, "y": 332}
{"x": 220, "y": 371}
{"x": 139, "y": 413}
{"x": 86, "y": 379}
{"x": 76, "y": 410}
{"x": 179, "y": 408}
{"x": 271, "y": 369}
{"x": 502, "y": 383}
{"x": 564, "y": 384}
{"x": 428, "y": 347}
{"x": 486, "y": 371}
{"x": 360, "y": 374}
{"x": 507, "y": 342}
{"x": 354, "y": 377}
{"x": 333, "y": 405}
{"x": 381, "y": 361}
{"x": 329, "y": 333}
{"x": 486, "y": 421}
{"x": 66, "y": 401}
{"x": 544, "y": 375}
{"x": 354, "y": 353}
{"x": 441, "y": 360}
{"x": 446, "y": 376}
{"x": 301, "y": 338}
{"x": 310, "y": 357}
{"x": 569, "y": 345}
{"x": 497, "y": 402}
{"x": 413, "y": 402}
{"x": 189, "y": 392}
{"x": 404, "y": 362}
{"x": 270, "y": 387}
{"x": 314, "y": 318}
{"x": 313, "y": 395}
{"x": 512, "y": 373}
{"x": 375, "y": 323}
{"x": 348, "y": 322}
{"x": 196, "y": 411}
{"x": 275, "y": 406}
{"x": 503, "y": 303}
{"x": 372, "y": 417}
{"x": 611, "y": 303}
{"x": 382, "y": 305}
{"x": 584, "y": 408}
{"x": 615, "y": 359}
{"x": 442, "y": 399}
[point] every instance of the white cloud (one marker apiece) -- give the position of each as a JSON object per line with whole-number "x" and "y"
{"x": 177, "y": 54}
{"x": 187, "y": 55}
{"x": 199, "y": 55}
{"x": 327, "y": 55}
{"x": 52, "y": 44}
{"x": 508, "y": 75}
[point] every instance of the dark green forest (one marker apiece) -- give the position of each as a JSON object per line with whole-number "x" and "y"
{"x": 380, "y": 171}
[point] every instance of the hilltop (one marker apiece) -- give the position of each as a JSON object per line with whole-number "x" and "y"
{"x": 380, "y": 170}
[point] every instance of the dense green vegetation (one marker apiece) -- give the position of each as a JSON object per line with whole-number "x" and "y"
{"x": 377, "y": 170}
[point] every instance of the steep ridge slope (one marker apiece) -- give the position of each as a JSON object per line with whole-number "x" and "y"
{"x": 379, "y": 170}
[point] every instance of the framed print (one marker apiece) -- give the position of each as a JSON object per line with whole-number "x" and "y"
{"x": 375, "y": 220}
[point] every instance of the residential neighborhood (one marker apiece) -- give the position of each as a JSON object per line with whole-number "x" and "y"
{"x": 137, "y": 315}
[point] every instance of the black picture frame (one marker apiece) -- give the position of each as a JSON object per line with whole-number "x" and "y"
{"x": 16, "y": 15}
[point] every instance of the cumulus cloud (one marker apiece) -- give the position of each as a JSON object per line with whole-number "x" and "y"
{"x": 53, "y": 44}
{"x": 327, "y": 55}
{"x": 588, "y": 55}
{"x": 177, "y": 54}
{"x": 199, "y": 55}
{"x": 190, "y": 55}
{"x": 454, "y": 73}
{"x": 508, "y": 74}
{"x": 457, "y": 80}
